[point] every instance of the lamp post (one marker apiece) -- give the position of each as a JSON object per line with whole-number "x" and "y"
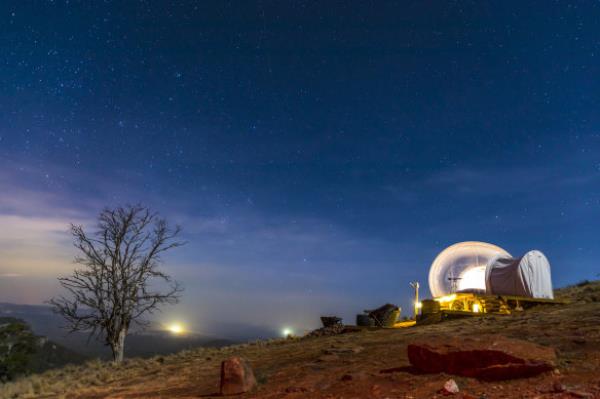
{"x": 417, "y": 305}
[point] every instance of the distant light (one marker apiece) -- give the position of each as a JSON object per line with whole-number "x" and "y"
{"x": 418, "y": 305}
{"x": 447, "y": 298}
{"x": 286, "y": 332}
{"x": 476, "y": 308}
{"x": 176, "y": 328}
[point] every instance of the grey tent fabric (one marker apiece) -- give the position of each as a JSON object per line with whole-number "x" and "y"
{"x": 527, "y": 276}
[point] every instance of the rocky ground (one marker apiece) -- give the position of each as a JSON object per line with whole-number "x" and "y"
{"x": 367, "y": 364}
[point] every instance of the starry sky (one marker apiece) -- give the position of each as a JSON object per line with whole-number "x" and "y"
{"x": 318, "y": 155}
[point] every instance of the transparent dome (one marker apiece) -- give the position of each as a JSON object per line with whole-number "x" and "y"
{"x": 461, "y": 267}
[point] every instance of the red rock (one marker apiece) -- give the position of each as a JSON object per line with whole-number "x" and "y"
{"x": 236, "y": 376}
{"x": 488, "y": 358}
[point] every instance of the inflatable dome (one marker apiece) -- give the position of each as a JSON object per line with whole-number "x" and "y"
{"x": 462, "y": 267}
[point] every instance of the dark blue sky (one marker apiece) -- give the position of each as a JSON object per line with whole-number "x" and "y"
{"x": 317, "y": 154}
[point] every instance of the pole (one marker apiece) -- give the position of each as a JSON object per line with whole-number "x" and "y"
{"x": 417, "y": 304}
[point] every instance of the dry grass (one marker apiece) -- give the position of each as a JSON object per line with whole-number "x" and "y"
{"x": 63, "y": 382}
{"x": 583, "y": 292}
{"x": 573, "y": 330}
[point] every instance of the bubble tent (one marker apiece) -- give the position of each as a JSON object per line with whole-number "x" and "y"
{"x": 462, "y": 267}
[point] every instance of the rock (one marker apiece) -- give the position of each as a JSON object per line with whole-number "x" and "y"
{"x": 558, "y": 387}
{"x": 375, "y": 390}
{"x": 236, "y": 376}
{"x": 346, "y": 377}
{"x": 327, "y": 331}
{"x": 450, "y": 388}
{"x": 489, "y": 358}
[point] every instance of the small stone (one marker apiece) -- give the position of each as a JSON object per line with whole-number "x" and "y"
{"x": 346, "y": 377}
{"x": 376, "y": 390}
{"x": 450, "y": 388}
{"x": 236, "y": 376}
{"x": 558, "y": 387}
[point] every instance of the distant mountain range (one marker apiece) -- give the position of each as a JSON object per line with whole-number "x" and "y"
{"x": 44, "y": 322}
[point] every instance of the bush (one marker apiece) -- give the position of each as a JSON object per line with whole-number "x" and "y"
{"x": 17, "y": 344}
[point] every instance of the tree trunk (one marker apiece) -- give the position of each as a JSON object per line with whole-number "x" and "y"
{"x": 118, "y": 348}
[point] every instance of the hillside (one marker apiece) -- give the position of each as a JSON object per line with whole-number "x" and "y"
{"x": 350, "y": 365}
{"x": 22, "y": 352}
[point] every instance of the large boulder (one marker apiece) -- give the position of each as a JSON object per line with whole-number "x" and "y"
{"x": 488, "y": 357}
{"x": 237, "y": 376}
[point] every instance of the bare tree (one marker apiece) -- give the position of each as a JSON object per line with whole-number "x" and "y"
{"x": 119, "y": 280}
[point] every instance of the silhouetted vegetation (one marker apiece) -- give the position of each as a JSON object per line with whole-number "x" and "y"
{"x": 22, "y": 352}
{"x": 119, "y": 266}
{"x": 17, "y": 343}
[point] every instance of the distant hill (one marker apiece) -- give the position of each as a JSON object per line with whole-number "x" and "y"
{"x": 139, "y": 344}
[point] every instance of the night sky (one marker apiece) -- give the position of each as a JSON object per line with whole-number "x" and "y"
{"x": 317, "y": 154}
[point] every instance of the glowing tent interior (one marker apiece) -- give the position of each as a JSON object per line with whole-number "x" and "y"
{"x": 461, "y": 267}
{"x": 483, "y": 268}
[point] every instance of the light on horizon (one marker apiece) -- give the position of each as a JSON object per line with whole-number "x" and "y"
{"x": 176, "y": 328}
{"x": 286, "y": 332}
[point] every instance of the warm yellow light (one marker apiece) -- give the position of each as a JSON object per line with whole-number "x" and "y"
{"x": 447, "y": 298}
{"x": 476, "y": 308}
{"x": 418, "y": 305}
{"x": 176, "y": 328}
{"x": 472, "y": 278}
{"x": 286, "y": 332}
